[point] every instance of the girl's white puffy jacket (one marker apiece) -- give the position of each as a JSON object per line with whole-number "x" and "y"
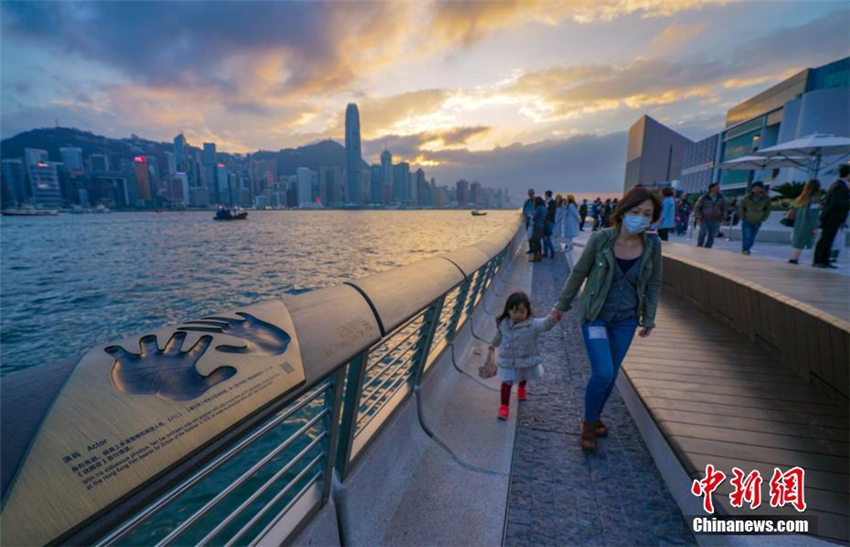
{"x": 517, "y": 342}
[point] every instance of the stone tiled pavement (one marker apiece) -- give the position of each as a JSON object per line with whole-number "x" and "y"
{"x": 558, "y": 494}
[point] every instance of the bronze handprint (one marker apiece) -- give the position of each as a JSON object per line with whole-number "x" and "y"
{"x": 261, "y": 338}
{"x": 168, "y": 373}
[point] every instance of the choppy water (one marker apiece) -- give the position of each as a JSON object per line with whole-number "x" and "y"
{"x": 71, "y": 281}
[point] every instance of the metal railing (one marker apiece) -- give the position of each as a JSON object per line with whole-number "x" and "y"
{"x": 274, "y": 476}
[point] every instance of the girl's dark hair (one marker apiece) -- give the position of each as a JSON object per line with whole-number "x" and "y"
{"x": 514, "y": 301}
{"x": 538, "y": 201}
{"x": 632, "y": 199}
{"x": 667, "y": 192}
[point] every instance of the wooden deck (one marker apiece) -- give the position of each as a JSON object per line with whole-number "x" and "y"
{"x": 822, "y": 290}
{"x": 718, "y": 398}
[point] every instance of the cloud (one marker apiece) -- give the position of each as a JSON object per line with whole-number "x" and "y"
{"x": 675, "y": 34}
{"x": 417, "y": 146}
{"x": 580, "y": 164}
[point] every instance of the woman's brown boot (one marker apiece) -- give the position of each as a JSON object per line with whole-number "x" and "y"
{"x": 588, "y": 435}
{"x": 601, "y": 430}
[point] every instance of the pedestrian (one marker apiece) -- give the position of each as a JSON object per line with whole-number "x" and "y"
{"x": 571, "y": 222}
{"x": 518, "y": 357}
{"x": 538, "y": 228}
{"x": 709, "y": 212}
{"x": 683, "y": 214}
{"x": 528, "y": 212}
{"x": 806, "y": 209}
{"x": 606, "y": 213}
{"x": 622, "y": 266}
{"x": 753, "y": 210}
{"x": 668, "y": 213}
{"x": 582, "y": 213}
{"x": 560, "y": 214}
{"x": 596, "y": 213}
{"x": 549, "y": 228}
{"x": 832, "y": 216}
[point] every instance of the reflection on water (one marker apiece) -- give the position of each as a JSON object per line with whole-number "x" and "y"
{"x": 72, "y": 281}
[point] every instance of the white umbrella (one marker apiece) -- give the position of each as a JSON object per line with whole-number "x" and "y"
{"x": 759, "y": 163}
{"x": 812, "y": 146}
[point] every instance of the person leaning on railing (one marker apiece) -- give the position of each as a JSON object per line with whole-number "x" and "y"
{"x": 622, "y": 266}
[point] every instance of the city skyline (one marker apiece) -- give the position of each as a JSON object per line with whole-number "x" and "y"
{"x": 517, "y": 94}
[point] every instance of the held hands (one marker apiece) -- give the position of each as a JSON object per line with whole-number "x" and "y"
{"x": 555, "y": 315}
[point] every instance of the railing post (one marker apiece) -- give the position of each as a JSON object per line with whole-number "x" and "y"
{"x": 350, "y": 411}
{"x": 332, "y": 427}
{"x": 458, "y": 309}
{"x": 479, "y": 281}
{"x": 426, "y": 338}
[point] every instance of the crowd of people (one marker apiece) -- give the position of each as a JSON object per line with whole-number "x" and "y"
{"x": 813, "y": 211}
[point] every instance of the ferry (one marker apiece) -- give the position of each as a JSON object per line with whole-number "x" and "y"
{"x": 477, "y": 213}
{"x": 224, "y": 213}
{"x": 29, "y": 212}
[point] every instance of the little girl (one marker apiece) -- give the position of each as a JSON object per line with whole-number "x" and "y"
{"x": 516, "y": 337}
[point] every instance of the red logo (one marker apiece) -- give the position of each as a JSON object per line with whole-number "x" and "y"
{"x": 787, "y": 488}
{"x": 706, "y": 486}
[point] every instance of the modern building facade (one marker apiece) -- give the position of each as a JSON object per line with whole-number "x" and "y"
{"x": 698, "y": 162}
{"x": 210, "y": 171}
{"x": 72, "y": 157}
{"x": 353, "y": 156}
{"x": 15, "y": 181}
{"x": 654, "y": 154}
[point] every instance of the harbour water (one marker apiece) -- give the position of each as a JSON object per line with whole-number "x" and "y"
{"x": 71, "y": 281}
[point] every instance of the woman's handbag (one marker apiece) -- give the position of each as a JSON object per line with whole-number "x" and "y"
{"x": 488, "y": 369}
{"x": 788, "y": 219}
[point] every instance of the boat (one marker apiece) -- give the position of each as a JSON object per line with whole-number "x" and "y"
{"x": 29, "y": 212}
{"x": 477, "y": 213}
{"x": 224, "y": 213}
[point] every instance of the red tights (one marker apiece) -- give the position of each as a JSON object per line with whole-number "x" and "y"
{"x": 506, "y": 391}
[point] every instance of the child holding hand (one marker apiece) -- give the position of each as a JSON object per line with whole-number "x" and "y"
{"x": 516, "y": 337}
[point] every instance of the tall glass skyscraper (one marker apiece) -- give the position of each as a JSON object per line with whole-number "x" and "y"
{"x": 353, "y": 158}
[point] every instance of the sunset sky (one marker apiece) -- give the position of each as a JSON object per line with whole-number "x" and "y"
{"x": 520, "y": 93}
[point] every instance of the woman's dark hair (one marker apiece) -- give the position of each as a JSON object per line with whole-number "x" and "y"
{"x": 810, "y": 190}
{"x": 632, "y": 199}
{"x": 538, "y": 201}
{"x": 513, "y": 302}
{"x": 667, "y": 192}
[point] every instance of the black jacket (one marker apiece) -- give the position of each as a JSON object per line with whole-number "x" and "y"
{"x": 837, "y": 204}
{"x": 550, "y": 211}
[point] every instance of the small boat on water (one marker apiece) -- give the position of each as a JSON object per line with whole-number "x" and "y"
{"x": 29, "y": 212}
{"x": 477, "y": 213}
{"x": 224, "y": 213}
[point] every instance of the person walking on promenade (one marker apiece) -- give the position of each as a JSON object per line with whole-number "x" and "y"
{"x": 753, "y": 210}
{"x": 806, "y": 208}
{"x": 528, "y": 212}
{"x": 549, "y": 228}
{"x": 538, "y": 228}
{"x": 709, "y": 212}
{"x": 560, "y": 214}
{"x": 832, "y": 216}
{"x": 683, "y": 214}
{"x": 518, "y": 358}
{"x": 668, "y": 213}
{"x": 622, "y": 266}
{"x": 582, "y": 213}
{"x": 596, "y": 214}
{"x": 571, "y": 222}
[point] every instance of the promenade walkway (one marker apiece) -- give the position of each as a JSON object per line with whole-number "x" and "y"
{"x": 558, "y": 494}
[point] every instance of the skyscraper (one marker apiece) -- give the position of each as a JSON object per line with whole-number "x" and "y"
{"x": 180, "y": 153}
{"x": 401, "y": 181}
{"x": 143, "y": 178}
{"x": 387, "y": 169}
{"x": 353, "y": 159}
{"x": 72, "y": 157}
{"x": 211, "y": 171}
{"x": 14, "y": 179}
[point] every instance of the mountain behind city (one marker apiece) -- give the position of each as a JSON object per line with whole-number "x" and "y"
{"x": 323, "y": 153}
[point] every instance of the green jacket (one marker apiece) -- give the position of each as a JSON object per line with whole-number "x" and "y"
{"x": 754, "y": 211}
{"x": 597, "y": 265}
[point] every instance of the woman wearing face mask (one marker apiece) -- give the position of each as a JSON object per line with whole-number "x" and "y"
{"x": 622, "y": 265}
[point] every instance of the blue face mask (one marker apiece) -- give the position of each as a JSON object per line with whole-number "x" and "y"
{"x": 635, "y": 224}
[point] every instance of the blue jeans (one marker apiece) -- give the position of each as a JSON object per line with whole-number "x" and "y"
{"x": 707, "y": 228}
{"x": 607, "y": 345}
{"x": 548, "y": 248}
{"x": 749, "y": 233}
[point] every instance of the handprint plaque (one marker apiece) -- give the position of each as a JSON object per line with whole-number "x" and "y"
{"x": 133, "y": 408}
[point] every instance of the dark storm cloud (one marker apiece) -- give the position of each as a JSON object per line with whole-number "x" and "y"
{"x": 409, "y": 147}
{"x": 582, "y": 164}
{"x": 173, "y": 43}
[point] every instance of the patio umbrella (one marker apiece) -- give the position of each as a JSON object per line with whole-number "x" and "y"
{"x": 812, "y": 146}
{"x": 759, "y": 163}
